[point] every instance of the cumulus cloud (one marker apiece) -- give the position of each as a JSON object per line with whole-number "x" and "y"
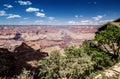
{"x": 2, "y": 13}
{"x": 31, "y": 9}
{"x": 87, "y": 22}
{"x": 72, "y": 22}
{"x": 99, "y": 17}
{"x": 39, "y": 14}
{"x": 51, "y": 18}
{"x": 8, "y": 5}
{"x": 97, "y": 20}
{"x": 82, "y": 22}
{"x": 13, "y": 16}
{"x": 24, "y": 2}
{"x": 105, "y": 21}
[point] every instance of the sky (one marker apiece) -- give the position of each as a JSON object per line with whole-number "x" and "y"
{"x": 58, "y": 12}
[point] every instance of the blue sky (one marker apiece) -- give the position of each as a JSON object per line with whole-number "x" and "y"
{"x": 58, "y": 12}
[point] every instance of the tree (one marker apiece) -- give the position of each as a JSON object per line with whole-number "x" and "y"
{"x": 100, "y": 58}
{"x": 74, "y": 65}
{"x": 109, "y": 40}
{"x": 80, "y": 62}
{"x": 50, "y": 67}
{"x": 72, "y": 51}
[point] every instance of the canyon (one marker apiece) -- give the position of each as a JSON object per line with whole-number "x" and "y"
{"x": 46, "y": 38}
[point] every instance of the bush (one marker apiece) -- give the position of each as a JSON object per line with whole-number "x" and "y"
{"x": 49, "y": 67}
{"x": 74, "y": 65}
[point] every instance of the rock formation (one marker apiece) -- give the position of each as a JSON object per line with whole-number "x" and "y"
{"x": 12, "y": 63}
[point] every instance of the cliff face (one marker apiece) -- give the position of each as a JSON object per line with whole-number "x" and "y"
{"x": 46, "y": 37}
{"x": 12, "y": 63}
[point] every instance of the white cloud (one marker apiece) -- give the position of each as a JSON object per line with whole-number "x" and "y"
{"x": 97, "y": 17}
{"x": 39, "y": 14}
{"x": 72, "y": 22}
{"x": 87, "y": 22}
{"x": 13, "y": 16}
{"x": 77, "y": 16}
{"x": 51, "y": 18}
{"x": 82, "y": 22}
{"x": 8, "y": 5}
{"x": 105, "y": 21}
{"x": 39, "y": 21}
{"x": 24, "y": 2}
{"x": 31, "y": 9}
{"x": 2, "y": 13}
{"x": 92, "y": 22}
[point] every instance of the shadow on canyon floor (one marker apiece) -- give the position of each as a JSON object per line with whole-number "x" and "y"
{"x": 12, "y": 63}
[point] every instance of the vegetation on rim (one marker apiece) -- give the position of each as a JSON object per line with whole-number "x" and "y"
{"x": 79, "y": 63}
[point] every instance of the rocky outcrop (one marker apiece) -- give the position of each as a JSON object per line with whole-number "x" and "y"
{"x": 7, "y": 62}
{"x": 12, "y": 63}
{"x": 111, "y": 72}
